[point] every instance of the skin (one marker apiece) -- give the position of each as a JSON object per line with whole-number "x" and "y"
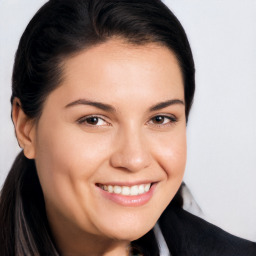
{"x": 126, "y": 144}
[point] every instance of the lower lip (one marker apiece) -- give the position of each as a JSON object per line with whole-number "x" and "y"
{"x": 131, "y": 201}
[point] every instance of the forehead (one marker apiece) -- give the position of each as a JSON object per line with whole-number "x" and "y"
{"x": 117, "y": 51}
{"x": 115, "y": 70}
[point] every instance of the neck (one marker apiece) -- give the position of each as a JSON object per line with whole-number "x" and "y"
{"x": 97, "y": 248}
{"x": 72, "y": 241}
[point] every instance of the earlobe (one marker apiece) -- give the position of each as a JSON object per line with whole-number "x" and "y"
{"x": 24, "y": 129}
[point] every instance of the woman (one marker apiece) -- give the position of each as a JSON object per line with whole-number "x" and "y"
{"x": 101, "y": 96}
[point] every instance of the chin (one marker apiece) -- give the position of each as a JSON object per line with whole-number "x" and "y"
{"x": 127, "y": 231}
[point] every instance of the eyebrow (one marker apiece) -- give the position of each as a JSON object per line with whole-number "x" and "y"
{"x": 165, "y": 104}
{"x": 109, "y": 108}
{"x": 96, "y": 104}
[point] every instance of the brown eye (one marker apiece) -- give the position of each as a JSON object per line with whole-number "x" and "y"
{"x": 162, "y": 120}
{"x": 158, "y": 119}
{"x": 92, "y": 120}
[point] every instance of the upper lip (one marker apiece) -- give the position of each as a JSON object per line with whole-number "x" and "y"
{"x": 126, "y": 183}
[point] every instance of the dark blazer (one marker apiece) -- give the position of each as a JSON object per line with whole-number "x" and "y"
{"x": 189, "y": 235}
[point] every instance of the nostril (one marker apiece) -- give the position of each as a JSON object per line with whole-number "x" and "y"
{"x": 131, "y": 161}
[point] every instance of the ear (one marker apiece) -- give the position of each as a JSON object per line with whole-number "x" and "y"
{"x": 24, "y": 129}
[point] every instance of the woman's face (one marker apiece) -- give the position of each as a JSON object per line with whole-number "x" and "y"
{"x": 116, "y": 122}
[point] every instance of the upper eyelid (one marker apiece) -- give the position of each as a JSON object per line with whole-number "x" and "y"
{"x": 105, "y": 119}
{"x": 89, "y": 116}
{"x": 173, "y": 119}
{"x": 164, "y": 115}
{"x": 93, "y": 115}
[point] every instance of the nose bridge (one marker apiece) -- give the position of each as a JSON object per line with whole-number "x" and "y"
{"x": 131, "y": 150}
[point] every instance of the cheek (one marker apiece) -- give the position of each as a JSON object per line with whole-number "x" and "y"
{"x": 69, "y": 151}
{"x": 172, "y": 152}
{"x": 66, "y": 158}
{"x": 171, "y": 156}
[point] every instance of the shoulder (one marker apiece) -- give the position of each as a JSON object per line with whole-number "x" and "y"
{"x": 189, "y": 235}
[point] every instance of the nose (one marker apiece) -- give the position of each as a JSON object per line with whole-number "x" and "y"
{"x": 131, "y": 152}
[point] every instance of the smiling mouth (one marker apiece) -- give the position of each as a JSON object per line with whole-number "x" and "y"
{"x": 126, "y": 190}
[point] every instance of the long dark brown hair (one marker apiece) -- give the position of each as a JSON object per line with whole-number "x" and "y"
{"x": 60, "y": 29}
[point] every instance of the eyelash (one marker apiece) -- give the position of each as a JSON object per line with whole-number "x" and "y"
{"x": 172, "y": 120}
{"x": 84, "y": 120}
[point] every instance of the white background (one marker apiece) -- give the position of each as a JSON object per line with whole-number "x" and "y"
{"x": 222, "y": 126}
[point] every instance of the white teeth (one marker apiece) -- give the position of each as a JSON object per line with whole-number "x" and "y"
{"x": 134, "y": 190}
{"x": 141, "y": 189}
{"x": 147, "y": 187}
{"x": 110, "y": 189}
{"x": 127, "y": 191}
{"x": 117, "y": 189}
